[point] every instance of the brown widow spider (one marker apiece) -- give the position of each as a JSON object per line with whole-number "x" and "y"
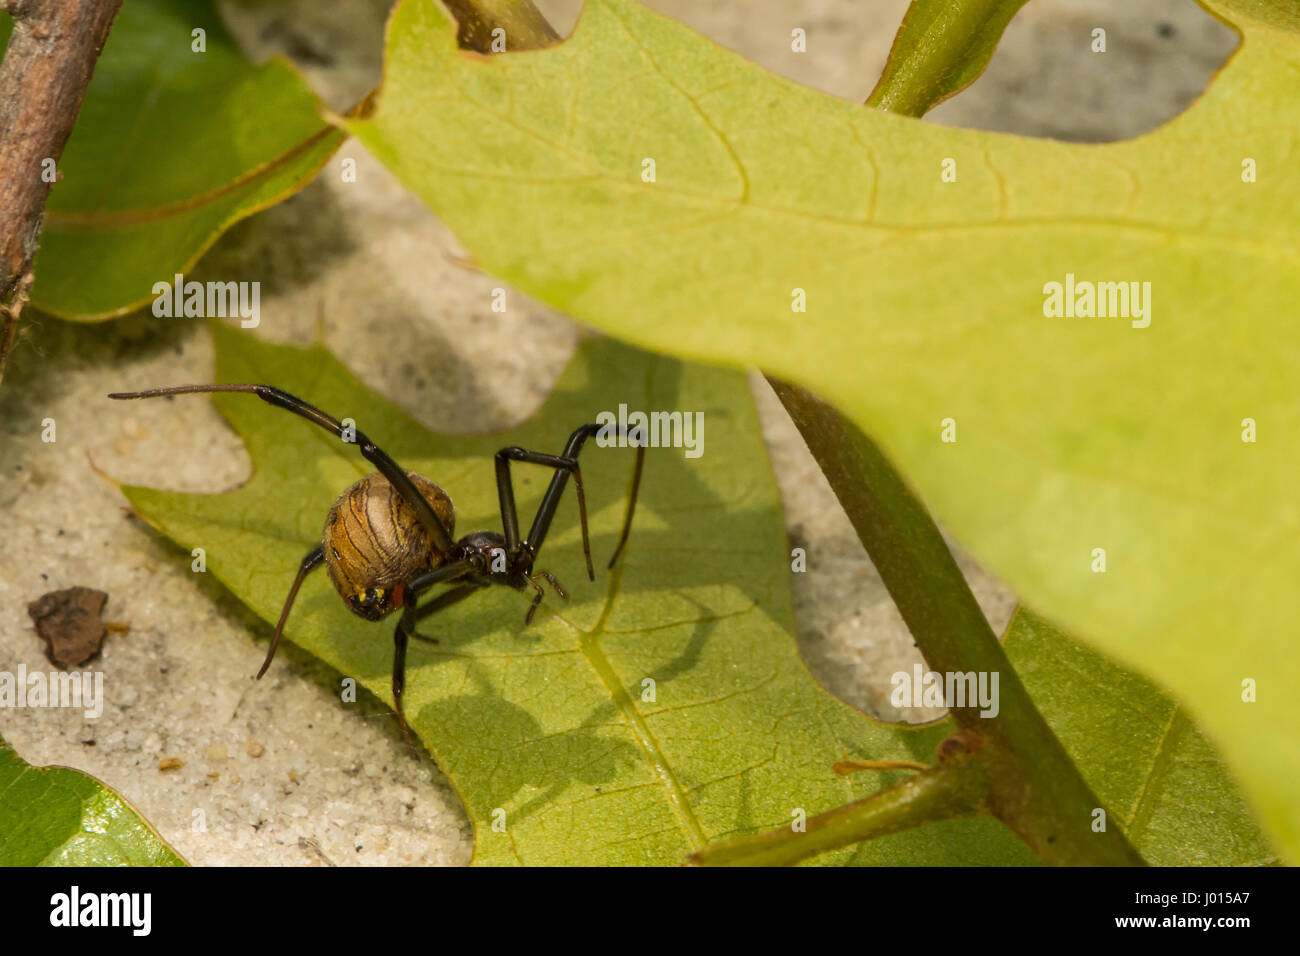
{"x": 387, "y": 538}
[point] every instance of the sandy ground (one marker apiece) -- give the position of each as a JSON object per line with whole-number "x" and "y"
{"x": 278, "y": 772}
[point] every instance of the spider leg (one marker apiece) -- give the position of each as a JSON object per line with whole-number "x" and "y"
{"x": 311, "y": 560}
{"x": 441, "y": 601}
{"x": 637, "y": 469}
{"x": 537, "y": 598}
{"x": 546, "y": 511}
{"x": 395, "y": 474}
{"x": 400, "y": 638}
{"x": 564, "y": 465}
{"x": 549, "y": 578}
{"x": 406, "y": 627}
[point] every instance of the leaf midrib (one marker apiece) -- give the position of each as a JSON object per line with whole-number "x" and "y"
{"x": 98, "y": 219}
{"x": 660, "y": 766}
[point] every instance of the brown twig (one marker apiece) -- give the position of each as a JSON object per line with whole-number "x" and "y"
{"x": 47, "y": 67}
{"x": 10, "y": 311}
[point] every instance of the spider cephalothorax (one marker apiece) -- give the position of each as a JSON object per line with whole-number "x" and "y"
{"x": 388, "y": 538}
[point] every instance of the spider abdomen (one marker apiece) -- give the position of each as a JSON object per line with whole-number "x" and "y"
{"x": 374, "y": 543}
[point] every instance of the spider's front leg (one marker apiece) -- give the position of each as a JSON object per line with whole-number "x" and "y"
{"x": 396, "y": 475}
{"x": 564, "y": 465}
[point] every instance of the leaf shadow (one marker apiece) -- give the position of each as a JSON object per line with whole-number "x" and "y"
{"x": 549, "y": 763}
{"x": 287, "y": 246}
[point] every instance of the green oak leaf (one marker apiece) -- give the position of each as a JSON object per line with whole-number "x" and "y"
{"x": 550, "y": 722}
{"x": 56, "y": 816}
{"x": 1156, "y": 775}
{"x": 1160, "y": 777}
{"x": 925, "y": 302}
{"x": 170, "y": 149}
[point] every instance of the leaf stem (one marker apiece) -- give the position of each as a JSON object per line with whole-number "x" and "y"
{"x": 1034, "y": 786}
{"x": 1037, "y": 790}
{"x": 939, "y": 793}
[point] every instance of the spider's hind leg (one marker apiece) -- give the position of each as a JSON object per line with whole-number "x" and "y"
{"x": 565, "y": 465}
